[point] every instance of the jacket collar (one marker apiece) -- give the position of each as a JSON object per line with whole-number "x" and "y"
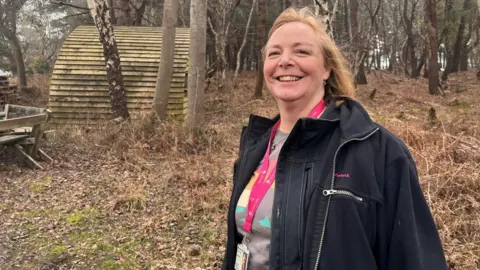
{"x": 353, "y": 119}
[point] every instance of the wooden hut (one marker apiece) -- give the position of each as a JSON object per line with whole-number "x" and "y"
{"x": 7, "y": 91}
{"x": 79, "y": 89}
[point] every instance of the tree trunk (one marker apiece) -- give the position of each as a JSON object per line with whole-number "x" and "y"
{"x": 111, "y": 9}
{"x": 165, "y": 70}
{"x": 140, "y": 6}
{"x": 18, "y": 55}
{"x": 433, "y": 82}
{"x": 457, "y": 48}
{"x": 300, "y": 3}
{"x": 411, "y": 55}
{"x": 196, "y": 73}
{"x": 126, "y": 13}
{"x": 478, "y": 72}
{"x": 360, "y": 78}
{"x": 358, "y": 66}
{"x": 262, "y": 33}
{"x": 10, "y": 34}
{"x": 101, "y": 17}
{"x": 244, "y": 41}
{"x": 324, "y": 15}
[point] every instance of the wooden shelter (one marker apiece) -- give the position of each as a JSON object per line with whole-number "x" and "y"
{"x": 8, "y": 92}
{"x": 79, "y": 89}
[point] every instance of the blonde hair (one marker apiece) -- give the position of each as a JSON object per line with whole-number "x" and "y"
{"x": 340, "y": 81}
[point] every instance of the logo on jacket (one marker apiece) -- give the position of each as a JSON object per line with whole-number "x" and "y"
{"x": 342, "y": 175}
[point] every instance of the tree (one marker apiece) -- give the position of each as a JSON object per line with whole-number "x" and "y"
{"x": 431, "y": 15}
{"x": 165, "y": 70}
{"x": 220, "y": 27}
{"x": 197, "y": 53}
{"x": 478, "y": 72}
{"x": 8, "y": 28}
{"x": 300, "y": 3}
{"x": 262, "y": 35}
{"x": 244, "y": 41}
{"x": 116, "y": 88}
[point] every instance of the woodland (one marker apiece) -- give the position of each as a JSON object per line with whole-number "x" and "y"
{"x": 146, "y": 191}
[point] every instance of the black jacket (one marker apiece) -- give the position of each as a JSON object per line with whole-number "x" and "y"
{"x": 347, "y": 196}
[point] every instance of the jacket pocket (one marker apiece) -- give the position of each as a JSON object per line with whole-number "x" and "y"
{"x": 343, "y": 193}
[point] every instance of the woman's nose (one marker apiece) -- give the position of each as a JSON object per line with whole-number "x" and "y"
{"x": 285, "y": 60}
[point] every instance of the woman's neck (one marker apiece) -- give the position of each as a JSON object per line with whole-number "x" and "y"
{"x": 291, "y": 112}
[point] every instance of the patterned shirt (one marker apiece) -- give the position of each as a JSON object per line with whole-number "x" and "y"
{"x": 258, "y": 241}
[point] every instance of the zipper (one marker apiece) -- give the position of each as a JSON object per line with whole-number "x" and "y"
{"x": 331, "y": 188}
{"x": 301, "y": 209}
{"x": 330, "y": 192}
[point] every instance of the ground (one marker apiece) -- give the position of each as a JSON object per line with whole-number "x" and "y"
{"x": 150, "y": 196}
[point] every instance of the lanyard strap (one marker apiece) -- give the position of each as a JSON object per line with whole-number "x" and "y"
{"x": 266, "y": 177}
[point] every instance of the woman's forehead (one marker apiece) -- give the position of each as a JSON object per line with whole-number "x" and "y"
{"x": 293, "y": 34}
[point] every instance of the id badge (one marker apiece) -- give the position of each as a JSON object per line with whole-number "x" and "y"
{"x": 241, "y": 260}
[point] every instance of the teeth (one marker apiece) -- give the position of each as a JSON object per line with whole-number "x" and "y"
{"x": 288, "y": 78}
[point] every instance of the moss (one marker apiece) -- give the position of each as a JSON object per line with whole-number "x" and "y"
{"x": 58, "y": 249}
{"x": 40, "y": 185}
{"x": 80, "y": 217}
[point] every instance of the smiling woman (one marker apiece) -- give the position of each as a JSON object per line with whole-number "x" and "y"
{"x": 322, "y": 186}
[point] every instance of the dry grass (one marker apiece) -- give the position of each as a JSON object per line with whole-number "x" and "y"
{"x": 145, "y": 195}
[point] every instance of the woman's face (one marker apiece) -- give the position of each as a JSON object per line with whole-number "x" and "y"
{"x": 294, "y": 67}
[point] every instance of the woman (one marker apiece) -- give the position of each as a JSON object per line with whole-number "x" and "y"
{"x": 321, "y": 186}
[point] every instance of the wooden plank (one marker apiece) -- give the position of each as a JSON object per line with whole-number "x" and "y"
{"x": 42, "y": 155}
{"x": 105, "y": 84}
{"x": 106, "y": 103}
{"x": 133, "y": 99}
{"x": 137, "y": 56}
{"x": 79, "y": 67}
{"x": 22, "y": 122}
{"x": 103, "y": 73}
{"x": 100, "y": 59}
{"x": 133, "y": 79}
{"x": 102, "y": 64}
{"x": 7, "y": 87}
{"x": 28, "y": 159}
{"x": 21, "y": 110}
{"x": 103, "y": 93}
{"x": 127, "y": 41}
{"x": 5, "y": 139}
{"x": 105, "y": 109}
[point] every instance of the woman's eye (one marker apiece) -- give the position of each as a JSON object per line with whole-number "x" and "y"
{"x": 302, "y": 52}
{"x": 273, "y": 53}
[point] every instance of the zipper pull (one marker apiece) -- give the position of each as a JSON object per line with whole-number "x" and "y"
{"x": 329, "y": 192}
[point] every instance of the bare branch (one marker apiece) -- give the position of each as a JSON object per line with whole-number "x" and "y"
{"x": 60, "y": 3}
{"x": 211, "y": 26}
{"x": 77, "y": 14}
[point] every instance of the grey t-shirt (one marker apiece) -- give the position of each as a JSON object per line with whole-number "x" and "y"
{"x": 258, "y": 240}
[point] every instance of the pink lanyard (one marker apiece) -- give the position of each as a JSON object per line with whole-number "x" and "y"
{"x": 266, "y": 177}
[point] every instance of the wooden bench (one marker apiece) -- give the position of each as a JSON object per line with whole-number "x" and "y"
{"x": 23, "y": 128}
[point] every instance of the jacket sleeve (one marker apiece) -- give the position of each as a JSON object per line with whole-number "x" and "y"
{"x": 408, "y": 237}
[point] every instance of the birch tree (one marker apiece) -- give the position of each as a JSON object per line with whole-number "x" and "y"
{"x": 116, "y": 88}
{"x": 244, "y": 41}
{"x": 165, "y": 70}
{"x": 197, "y": 53}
